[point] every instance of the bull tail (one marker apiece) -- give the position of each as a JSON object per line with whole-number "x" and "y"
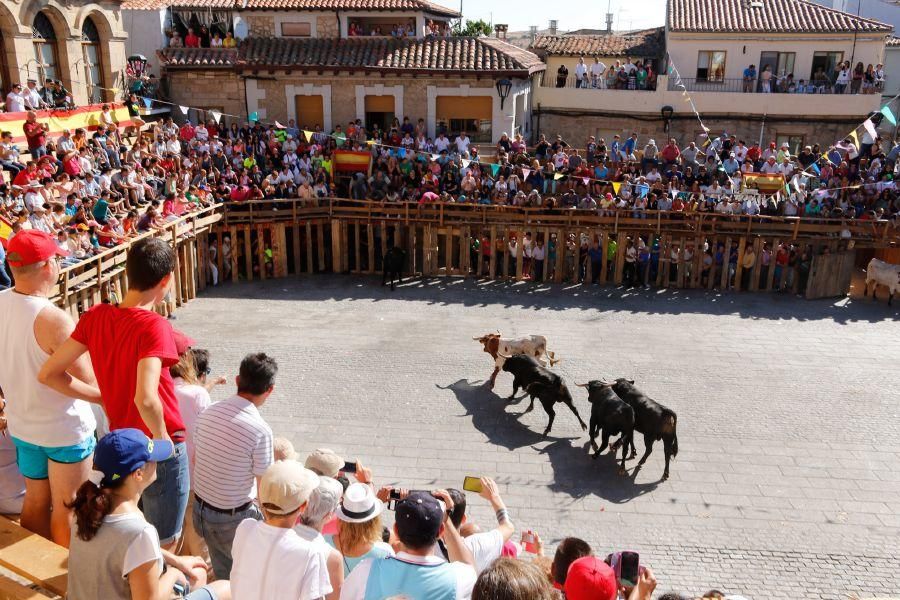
{"x": 674, "y": 435}
{"x": 552, "y": 357}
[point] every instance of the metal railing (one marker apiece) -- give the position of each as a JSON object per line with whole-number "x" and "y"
{"x": 783, "y": 86}
{"x": 593, "y": 83}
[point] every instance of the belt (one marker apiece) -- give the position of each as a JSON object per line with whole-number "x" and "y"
{"x": 224, "y": 511}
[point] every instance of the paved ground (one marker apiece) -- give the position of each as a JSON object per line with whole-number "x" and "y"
{"x": 787, "y": 484}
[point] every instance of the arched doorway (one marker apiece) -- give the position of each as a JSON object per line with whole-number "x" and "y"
{"x": 92, "y": 57}
{"x": 46, "y": 54}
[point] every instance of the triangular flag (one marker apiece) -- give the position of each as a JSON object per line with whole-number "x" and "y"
{"x": 557, "y": 176}
{"x": 525, "y": 173}
{"x": 184, "y": 109}
{"x": 815, "y": 168}
{"x": 148, "y": 102}
{"x": 465, "y": 163}
{"x": 889, "y": 115}
{"x": 216, "y": 115}
{"x": 116, "y": 90}
{"x": 644, "y": 189}
{"x": 674, "y": 193}
{"x": 870, "y": 128}
{"x": 495, "y": 168}
{"x": 616, "y": 185}
{"x": 855, "y": 138}
{"x": 279, "y": 125}
{"x": 254, "y": 116}
{"x": 368, "y": 142}
{"x": 435, "y": 156}
{"x": 586, "y": 180}
{"x": 309, "y": 135}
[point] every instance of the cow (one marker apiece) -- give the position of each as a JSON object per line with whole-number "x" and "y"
{"x": 532, "y": 345}
{"x": 610, "y": 415}
{"x": 652, "y": 419}
{"x": 541, "y": 383}
{"x": 393, "y": 263}
{"x": 885, "y": 274}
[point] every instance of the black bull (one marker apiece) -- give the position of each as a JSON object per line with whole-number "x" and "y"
{"x": 393, "y": 264}
{"x": 540, "y": 383}
{"x": 652, "y": 419}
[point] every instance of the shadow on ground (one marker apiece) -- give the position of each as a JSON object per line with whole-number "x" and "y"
{"x": 575, "y": 473}
{"x": 559, "y": 297}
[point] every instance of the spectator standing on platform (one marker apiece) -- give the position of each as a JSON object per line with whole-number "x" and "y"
{"x": 52, "y": 432}
{"x": 35, "y": 135}
{"x": 581, "y": 72}
{"x": 131, "y": 349}
{"x": 749, "y": 78}
{"x": 32, "y": 96}
{"x": 233, "y": 449}
{"x": 15, "y": 100}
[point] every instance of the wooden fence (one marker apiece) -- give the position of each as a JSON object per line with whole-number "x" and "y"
{"x": 102, "y": 277}
{"x": 264, "y": 239}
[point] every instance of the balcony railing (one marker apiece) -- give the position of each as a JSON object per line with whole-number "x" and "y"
{"x": 590, "y": 83}
{"x": 738, "y": 86}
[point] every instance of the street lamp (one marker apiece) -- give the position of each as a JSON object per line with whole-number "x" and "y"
{"x": 667, "y": 112}
{"x": 503, "y": 88}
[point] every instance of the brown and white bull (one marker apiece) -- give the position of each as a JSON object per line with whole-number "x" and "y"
{"x": 885, "y": 274}
{"x": 532, "y": 345}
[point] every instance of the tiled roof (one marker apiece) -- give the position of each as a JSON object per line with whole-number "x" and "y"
{"x": 446, "y": 55}
{"x": 330, "y": 5}
{"x": 649, "y": 42}
{"x": 765, "y": 16}
{"x": 893, "y": 42}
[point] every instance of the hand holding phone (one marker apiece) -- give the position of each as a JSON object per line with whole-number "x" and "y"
{"x": 349, "y": 467}
{"x": 472, "y": 484}
{"x": 629, "y": 571}
{"x": 531, "y": 541}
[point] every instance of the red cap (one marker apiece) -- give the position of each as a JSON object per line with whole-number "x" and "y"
{"x": 589, "y": 578}
{"x": 183, "y": 343}
{"x": 31, "y": 246}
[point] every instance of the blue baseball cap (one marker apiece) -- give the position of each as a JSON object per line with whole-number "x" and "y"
{"x": 120, "y": 453}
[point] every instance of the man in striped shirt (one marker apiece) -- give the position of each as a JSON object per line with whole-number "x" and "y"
{"x": 233, "y": 448}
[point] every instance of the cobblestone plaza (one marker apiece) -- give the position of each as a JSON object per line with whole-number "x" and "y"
{"x": 787, "y": 480}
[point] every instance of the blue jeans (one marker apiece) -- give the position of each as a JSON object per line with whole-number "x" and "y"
{"x": 165, "y": 501}
{"x": 218, "y": 530}
{"x": 5, "y": 281}
{"x": 38, "y": 152}
{"x": 12, "y": 167}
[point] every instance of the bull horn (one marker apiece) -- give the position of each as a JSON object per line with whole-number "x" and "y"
{"x": 503, "y": 355}
{"x": 603, "y": 382}
{"x": 477, "y": 338}
{"x": 584, "y": 385}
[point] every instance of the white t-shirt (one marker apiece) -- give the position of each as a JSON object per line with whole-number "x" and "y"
{"x": 597, "y": 69}
{"x": 192, "y": 400}
{"x": 143, "y": 549}
{"x": 462, "y": 144}
{"x": 441, "y": 143}
{"x": 354, "y": 587}
{"x": 485, "y": 547}
{"x": 15, "y": 102}
{"x": 273, "y": 562}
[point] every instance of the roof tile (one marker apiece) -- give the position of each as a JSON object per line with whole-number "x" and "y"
{"x": 372, "y": 5}
{"x": 645, "y": 43}
{"x": 765, "y": 16}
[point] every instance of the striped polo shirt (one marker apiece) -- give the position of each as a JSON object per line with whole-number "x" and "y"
{"x": 232, "y": 446}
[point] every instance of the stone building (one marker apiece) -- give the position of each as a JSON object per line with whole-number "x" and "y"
{"x": 79, "y": 43}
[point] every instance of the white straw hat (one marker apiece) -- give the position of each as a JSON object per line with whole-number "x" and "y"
{"x": 359, "y": 504}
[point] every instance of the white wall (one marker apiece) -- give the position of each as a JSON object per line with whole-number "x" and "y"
{"x": 684, "y": 50}
{"x": 145, "y": 34}
{"x": 892, "y": 72}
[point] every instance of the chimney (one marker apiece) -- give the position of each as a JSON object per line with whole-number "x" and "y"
{"x": 609, "y": 22}
{"x": 500, "y": 30}
{"x": 532, "y": 32}
{"x": 553, "y": 26}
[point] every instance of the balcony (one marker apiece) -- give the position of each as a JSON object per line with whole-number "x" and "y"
{"x": 572, "y": 83}
{"x": 739, "y": 86}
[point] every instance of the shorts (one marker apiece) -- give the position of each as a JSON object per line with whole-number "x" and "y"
{"x": 165, "y": 501}
{"x": 33, "y": 459}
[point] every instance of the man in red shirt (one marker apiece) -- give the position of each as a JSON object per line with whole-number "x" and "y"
{"x": 35, "y": 134}
{"x": 186, "y": 133}
{"x": 670, "y": 153}
{"x": 191, "y": 40}
{"x": 29, "y": 174}
{"x": 131, "y": 348}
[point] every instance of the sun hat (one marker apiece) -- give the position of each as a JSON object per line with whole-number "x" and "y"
{"x": 122, "y": 452}
{"x": 31, "y": 246}
{"x": 359, "y": 504}
{"x": 589, "y": 578}
{"x": 324, "y": 461}
{"x": 286, "y": 486}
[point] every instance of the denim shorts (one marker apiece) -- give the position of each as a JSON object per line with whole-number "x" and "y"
{"x": 165, "y": 501}
{"x": 33, "y": 460}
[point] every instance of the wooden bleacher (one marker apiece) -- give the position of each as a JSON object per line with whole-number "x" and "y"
{"x": 33, "y": 559}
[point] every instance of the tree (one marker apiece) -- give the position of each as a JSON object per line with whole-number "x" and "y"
{"x": 473, "y": 28}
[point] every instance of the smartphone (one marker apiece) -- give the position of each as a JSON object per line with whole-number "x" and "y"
{"x": 472, "y": 484}
{"x": 349, "y": 467}
{"x": 630, "y": 568}
{"x": 395, "y": 494}
{"x": 528, "y": 541}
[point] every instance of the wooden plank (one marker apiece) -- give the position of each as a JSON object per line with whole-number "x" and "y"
{"x": 465, "y": 246}
{"x": 603, "y": 243}
{"x": 11, "y": 590}
{"x": 178, "y": 264}
{"x": 662, "y": 274}
{"x": 545, "y": 276}
{"x": 492, "y": 266}
{"x": 295, "y": 244}
{"x": 384, "y": 241}
{"x": 723, "y": 284}
{"x": 770, "y": 278}
{"x": 309, "y": 249}
{"x": 754, "y": 276}
{"x": 682, "y": 265}
{"x": 261, "y": 251}
{"x": 248, "y": 252}
{"x": 561, "y": 250}
{"x": 320, "y": 245}
{"x": 448, "y": 251}
{"x": 357, "y": 266}
{"x": 336, "y": 252}
{"x": 220, "y": 259}
{"x": 479, "y": 260}
{"x": 504, "y": 253}
{"x": 520, "y": 254}
{"x": 280, "y": 248}
{"x": 370, "y": 256}
{"x": 30, "y": 556}
{"x": 738, "y": 271}
{"x": 698, "y": 262}
{"x": 620, "y": 258}
{"x": 345, "y": 247}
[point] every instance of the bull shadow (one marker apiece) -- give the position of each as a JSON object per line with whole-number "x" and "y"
{"x": 575, "y": 473}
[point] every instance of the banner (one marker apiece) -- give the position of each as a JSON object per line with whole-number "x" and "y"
{"x": 84, "y": 117}
{"x": 763, "y": 182}
{"x": 353, "y": 162}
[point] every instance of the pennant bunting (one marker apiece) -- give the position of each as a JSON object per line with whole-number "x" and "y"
{"x": 148, "y": 102}
{"x": 870, "y": 128}
{"x": 434, "y": 157}
{"x": 253, "y": 117}
{"x": 525, "y": 173}
{"x": 644, "y": 190}
{"x": 279, "y": 125}
{"x": 184, "y": 109}
{"x": 886, "y": 111}
{"x": 495, "y": 168}
{"x": 855, "y": 138}
{"x": 216, "y": 115}
{"x": 586, "y": 180}
{"x": 816, "y": 168}
{"x": 465, "y": 163}
{"x": 557, "y": 176}
{"x": 309, "y": 135}
{"x": 616, "y": 185}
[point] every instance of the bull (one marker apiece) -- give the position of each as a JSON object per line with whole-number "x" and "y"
{"x": 652, "y": 419}
{"x": 532, "y": 345}
{"x": 882, "y": 273}
{"x": 541, "y": 383}
{"x": 610, "y": 415}
{"x": 393, "y": 263}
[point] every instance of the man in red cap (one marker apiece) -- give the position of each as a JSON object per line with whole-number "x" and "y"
{"x": 53, "y": 433}
{"x": 590, "y": 578}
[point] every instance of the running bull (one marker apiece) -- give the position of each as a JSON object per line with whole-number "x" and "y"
{"x": 652, "y": 419}
{"x": 540, "y": 383}
{"x": 532, "y": 345}
{"x": 610, "y": 415}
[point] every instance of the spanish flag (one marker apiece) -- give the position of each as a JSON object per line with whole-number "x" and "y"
{"x": 5, "y": 231}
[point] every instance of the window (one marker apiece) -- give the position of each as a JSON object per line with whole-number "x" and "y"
{"x": 296, "y": 30}
{"x": 711, "y": 65}
{"x": 795, "y": 142}
{"x": 44, "y": 39}
{"x": 90, "y": 46}
{"x": 781, "y": 63}
{"x": 824, "y": 65}
{"x": 471, "y": 114}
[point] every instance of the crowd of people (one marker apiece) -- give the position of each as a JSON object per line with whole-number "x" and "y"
{"x": 177, "y": 495}
{"x": 630, "y": 74}
{"x": 30, "y": 97}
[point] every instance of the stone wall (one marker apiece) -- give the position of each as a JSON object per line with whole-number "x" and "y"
{"x": 327, "y": 26}
{"x": 576, "y": 129}
{"x": 221, "y": 90}
{"x": 260, "y": 25}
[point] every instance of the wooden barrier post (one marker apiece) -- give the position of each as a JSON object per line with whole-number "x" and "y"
{"x": 336, "y": 251}
{"x": 492, "y": 267}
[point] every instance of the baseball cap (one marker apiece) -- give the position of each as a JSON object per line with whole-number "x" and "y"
{"x": 419, "y": 515}
{"x": 324, "y": 461}
{"x": 31, "y": 246}
{"x": 286, "y": 486}
{"x": 183, "y": 342}
{"x": 120, "y": 453}
{"x": 589, "y": 578}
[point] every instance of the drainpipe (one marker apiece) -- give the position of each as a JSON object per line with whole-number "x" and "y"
{"x": 337, "y": 15}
